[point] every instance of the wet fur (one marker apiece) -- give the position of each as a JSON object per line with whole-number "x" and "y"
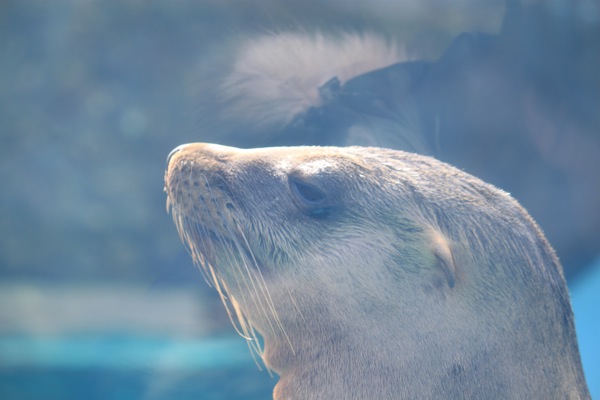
{"x": 420, "y": 282}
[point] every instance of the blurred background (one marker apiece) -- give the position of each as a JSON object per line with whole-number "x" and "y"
{"x": 98, "y": 298}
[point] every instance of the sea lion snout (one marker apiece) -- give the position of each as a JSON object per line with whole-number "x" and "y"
{"x": 196, "y": 165}
{"x": 175, "y": 150}
{"x": 197, "y": 184}
{"x": 199, "y": 151}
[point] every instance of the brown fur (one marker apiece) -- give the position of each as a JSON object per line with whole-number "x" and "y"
{"x": 378, "y": 274}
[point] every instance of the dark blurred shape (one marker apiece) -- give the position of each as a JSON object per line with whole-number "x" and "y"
{"x": 520, "y": 110}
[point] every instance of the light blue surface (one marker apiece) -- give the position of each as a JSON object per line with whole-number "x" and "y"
{"x": 122, "y": 352}
{"x": 585, "y": 298}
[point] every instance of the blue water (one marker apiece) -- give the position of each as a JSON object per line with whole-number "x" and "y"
{"x": 127, "y": 368}
{"x": 585, "y": 298}
{"x": 122, "y": 352}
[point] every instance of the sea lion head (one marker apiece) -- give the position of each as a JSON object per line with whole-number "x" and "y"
{"x": 265, "y": 220}
{"x": 373, "y": 257}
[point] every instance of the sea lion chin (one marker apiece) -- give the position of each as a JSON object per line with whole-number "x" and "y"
{"x": 377, "y": 274}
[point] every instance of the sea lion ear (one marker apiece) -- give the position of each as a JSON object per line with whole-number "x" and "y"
{"x": 441, "y": 250}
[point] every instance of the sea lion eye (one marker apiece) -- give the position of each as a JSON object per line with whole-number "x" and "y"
{"x": 311, "y": 199}
{"x": 308, "y": 193}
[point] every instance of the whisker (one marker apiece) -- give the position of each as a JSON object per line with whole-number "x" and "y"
{"x": 245, "y": 325}
{"x": 208, "y": 231}
{"x": 250, "y": 275}
{"x": 221, "y": 286}
{"x": 267, "y": 292}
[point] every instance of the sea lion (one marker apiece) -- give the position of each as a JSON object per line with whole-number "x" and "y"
{"x": 377, "y": 274}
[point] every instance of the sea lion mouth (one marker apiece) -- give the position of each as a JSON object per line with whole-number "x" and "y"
{"x": 228, "y": 263}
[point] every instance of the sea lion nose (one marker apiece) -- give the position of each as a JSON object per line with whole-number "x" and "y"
{"x": 172, "y": 153}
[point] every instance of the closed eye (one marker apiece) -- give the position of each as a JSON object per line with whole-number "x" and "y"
{"x": 312, "y": 200}
{"x": 306, "y": 192}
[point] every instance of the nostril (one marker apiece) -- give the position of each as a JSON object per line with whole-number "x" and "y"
{"x": 173, "y": 152}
